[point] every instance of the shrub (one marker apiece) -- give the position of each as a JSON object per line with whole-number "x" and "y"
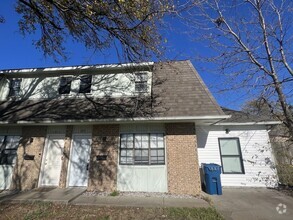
{"x": 285, "y": 173}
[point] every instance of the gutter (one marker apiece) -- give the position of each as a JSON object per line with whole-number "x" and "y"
{"x": 251, "y": 123}
{"x": 119, "y": 120}
{"x": 75, "y": 68}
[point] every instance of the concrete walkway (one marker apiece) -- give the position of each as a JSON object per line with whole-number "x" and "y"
{"x": 253, "y": 204}
{"x": 75, "y": 196}
{"x": 137, "y": 201}
{"x": 57, "y": 195}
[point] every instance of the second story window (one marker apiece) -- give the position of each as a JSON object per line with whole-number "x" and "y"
{"x": 85, "y": 84}
{"x": 65, "y": 85}
{"x": 141, "y": 82}
{"x": 14, "y": 87}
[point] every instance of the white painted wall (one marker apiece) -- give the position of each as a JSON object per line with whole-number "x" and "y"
{"x": 256, "y": 150}
{"x": 111, "y": 85}
{"x": 142, "y": 178}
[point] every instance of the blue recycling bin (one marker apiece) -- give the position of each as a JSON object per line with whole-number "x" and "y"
{"x": 212, "y": 178}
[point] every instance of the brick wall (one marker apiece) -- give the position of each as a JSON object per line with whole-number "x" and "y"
{"x": 103, "y": 174}
{"x": 66, "y": 155}
{"x": 182, "y": 159}
{"x": 26, "y": 172}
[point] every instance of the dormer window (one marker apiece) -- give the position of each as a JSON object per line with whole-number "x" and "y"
{"x": 85, "y": 84}
{"x": 14, "y": 87}
{"x": 141, "y": 80}
{"x": 65, "y": 85}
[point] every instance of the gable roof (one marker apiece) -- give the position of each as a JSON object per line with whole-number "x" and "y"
{"x": 178, "y": 93}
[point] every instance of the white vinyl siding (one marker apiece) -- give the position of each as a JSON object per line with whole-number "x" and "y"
{"x": 110, "y": 85}
{"x": 256, "y": 152}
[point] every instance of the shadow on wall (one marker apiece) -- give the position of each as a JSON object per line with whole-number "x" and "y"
{"x": 76, "y": 107}
{"x": 104, "y": 159}
{"x": 81, "y": 106}
{"x": 28, "y": 163}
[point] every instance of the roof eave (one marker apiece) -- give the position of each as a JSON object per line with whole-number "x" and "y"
{"x": 195, "y": 119}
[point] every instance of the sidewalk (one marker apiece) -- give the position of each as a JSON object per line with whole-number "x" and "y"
{"x": 75, "y": 196}
{"x": 133, "y": 201}
{"x": 56, "y": 195}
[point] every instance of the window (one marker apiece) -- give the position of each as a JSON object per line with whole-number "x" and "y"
{"x": 14, "y": 87}
{"x": 142, "y": 149}
{"x": 85, "y": 84}
{"x": 141, "y": 84}
{"x": 65, "y": 85}
{"x": 8, "y": 149}
{"x": 231, "y": 155}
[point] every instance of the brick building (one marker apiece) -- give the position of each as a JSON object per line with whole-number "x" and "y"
{"x": 127, "y": 127}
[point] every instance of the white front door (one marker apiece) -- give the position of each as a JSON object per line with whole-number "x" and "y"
{"x": 52, "y": 161}
{"x": 79, "y": 160}
{"x": 8, "y": 155}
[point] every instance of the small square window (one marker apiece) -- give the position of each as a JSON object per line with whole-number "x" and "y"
{"x": 85, "y": 84}
{"x": 141, "y": 80}
{"x": 65, "y": 85}
{"x": 14, "y": 87}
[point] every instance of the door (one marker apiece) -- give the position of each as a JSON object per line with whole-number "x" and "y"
{"x": 8, "y": 154}
{"x": 79, "y": 160}
{"x": 52, "y": 160}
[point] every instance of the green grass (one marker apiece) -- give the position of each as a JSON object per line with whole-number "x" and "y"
{"x": 42, "y": 210}
{"x": 114, "y": 193}
{"x": 194, "y": 213}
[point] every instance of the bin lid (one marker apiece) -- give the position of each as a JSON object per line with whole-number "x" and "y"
{"x": 211, "y": 167}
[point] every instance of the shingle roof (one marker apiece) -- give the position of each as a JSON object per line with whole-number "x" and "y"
{"x": 177, "y": 90}
{"x": 242, "y": 117}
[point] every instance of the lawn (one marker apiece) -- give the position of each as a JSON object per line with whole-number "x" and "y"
{"x": 56, "y": 211}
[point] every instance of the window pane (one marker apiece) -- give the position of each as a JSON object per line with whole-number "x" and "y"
{"x": 229, "y": 146}
{"x": 137, "y": 141}
{"x": 129, "y": 160}
{"x": 123, "y": 144}
{"x": 145, "y": 153}
{"x": 85, "y": 84}
{"x": 129, "y": 153}
{"x": 65, "y": 84}
{"x": 145, "y": 141}
{"x": 137, "y": 153}
{"x": 232, "y": 165}
{"x": 12, "y": 142}
{"x": 123, "y": 153}
{"x": 154, "y": 140}
{"x": 141, "y": 86}
{"x": 122, "y": 160}
{"x": 154, "y": 153}
{"x": 126, "y": 141}
{"x": 141, "y": 77}
{"x": 161, "y": 152}
{"x": 14, "y": 87}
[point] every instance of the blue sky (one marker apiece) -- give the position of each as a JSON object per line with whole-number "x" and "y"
{"x": 18, "y": 51}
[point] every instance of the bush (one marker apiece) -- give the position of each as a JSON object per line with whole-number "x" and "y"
{"x": 285, "y": 173}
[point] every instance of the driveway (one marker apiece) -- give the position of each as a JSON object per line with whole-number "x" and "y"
{"x": 253, "y": 203}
